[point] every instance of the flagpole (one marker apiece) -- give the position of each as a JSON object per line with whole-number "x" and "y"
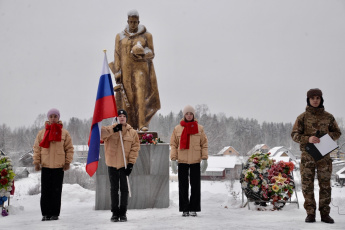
{"x": 123, "y": 151}
{"x": 124, "y": 159}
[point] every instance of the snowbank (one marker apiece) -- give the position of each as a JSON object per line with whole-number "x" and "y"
{"x": 221, "y": 209}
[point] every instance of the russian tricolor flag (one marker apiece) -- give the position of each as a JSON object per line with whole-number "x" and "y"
{"x": 105, "y": 107}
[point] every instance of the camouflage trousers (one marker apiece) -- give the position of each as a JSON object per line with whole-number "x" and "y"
{"x": 324, "y": 172}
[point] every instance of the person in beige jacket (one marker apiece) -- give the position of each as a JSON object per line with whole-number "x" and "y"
{"x": 116, "y": 164}
{"x": 189, "y": 147}
{"x": 53, "y": 153}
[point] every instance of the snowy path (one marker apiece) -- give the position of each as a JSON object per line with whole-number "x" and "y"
{"x": 78, "y": 203}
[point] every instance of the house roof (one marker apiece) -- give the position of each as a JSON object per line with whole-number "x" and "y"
{"x": 337, "y": 162}
{"x": 341, "y": 173}
{"x": 275, "y": 150}
{"x": 276, "y": 153}
{"x": 256, "y": 148}
{"x": 27, "y": 155}
{"x": 209, "y": 169}
{"x": 223, "y": 162}
{"x": 20, "y": 170}
{"x": 221, "y": 152}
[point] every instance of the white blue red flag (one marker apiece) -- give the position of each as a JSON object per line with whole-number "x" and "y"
{"x": 105, "y": 107}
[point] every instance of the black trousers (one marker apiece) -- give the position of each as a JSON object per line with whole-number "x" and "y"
{"x": 189, "y": 173}
{"x": 118, "y": 181}
{"x": 51, "y": 189}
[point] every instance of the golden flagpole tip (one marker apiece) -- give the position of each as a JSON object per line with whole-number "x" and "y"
{"x": 104, "y": 51}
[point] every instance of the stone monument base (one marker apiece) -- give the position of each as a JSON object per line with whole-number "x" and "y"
{"x": 149, "y": 180}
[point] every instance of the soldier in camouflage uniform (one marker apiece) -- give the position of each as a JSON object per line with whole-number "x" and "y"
{"x": 304, "y": 131}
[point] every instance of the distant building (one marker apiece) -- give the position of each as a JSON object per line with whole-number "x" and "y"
{"x": 341, "y": 155}
{"x": 340, "y": 177}
{"x": 2, "y": 153}
{"x": 337, "y": 155}
{"x": 228, "y": 151}
{"x": 26, "y": 159}
{"x": 21, "y": 172}
{"x": 260, "y": 147}
{"x": 282, "y": 153}
{"x": 222, "y": 167}
{"x": 80, "y": 153}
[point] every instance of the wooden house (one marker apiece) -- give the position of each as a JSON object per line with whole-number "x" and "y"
{"x": 228, "y": 151}
{"x": 223, "y": 167}
{"x": 260, "y": 147}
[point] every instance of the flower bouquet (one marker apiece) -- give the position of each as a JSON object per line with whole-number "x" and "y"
{"x": 6, "y": 181}
{"x": 147, "y": 138}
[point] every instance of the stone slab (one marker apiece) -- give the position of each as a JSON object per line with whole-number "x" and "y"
{"x": 149, "y": 180}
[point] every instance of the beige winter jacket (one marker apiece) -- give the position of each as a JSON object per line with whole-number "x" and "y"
{"x": 113, "y": 149}
{"x": 58, "y": 154}
{"x": 198, "y": 147}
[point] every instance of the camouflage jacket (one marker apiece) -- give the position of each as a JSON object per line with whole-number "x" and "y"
{"x": 312, "y": 120}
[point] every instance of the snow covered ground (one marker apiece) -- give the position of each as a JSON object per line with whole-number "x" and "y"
{"x": 220, "y": 210}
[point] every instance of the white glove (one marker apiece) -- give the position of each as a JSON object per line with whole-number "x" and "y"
{"x": 174, "y": 167}
{"x": 203, "y": 166}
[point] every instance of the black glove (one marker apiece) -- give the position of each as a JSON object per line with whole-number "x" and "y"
{"x": 129, "y": 169}
{"x": 117, "y": 128}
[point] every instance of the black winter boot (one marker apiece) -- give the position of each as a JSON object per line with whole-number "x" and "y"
{"x": 54, "y": 218}
{"x": 115, "y": 217}
{"x": 123, "y": 211}
{"x": 185, "y": 214}
{"x": 45, "y": 218}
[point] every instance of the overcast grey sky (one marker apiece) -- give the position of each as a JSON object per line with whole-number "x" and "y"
{"x": 253, "y": 59}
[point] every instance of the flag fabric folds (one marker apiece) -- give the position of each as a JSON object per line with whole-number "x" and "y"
{"x": 105, "y": 107}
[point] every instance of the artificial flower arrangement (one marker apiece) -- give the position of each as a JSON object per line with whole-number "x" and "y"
{"x": 264, "y": 180}
{"x": 6, "y": 181}
{"x": 147, "y": 138}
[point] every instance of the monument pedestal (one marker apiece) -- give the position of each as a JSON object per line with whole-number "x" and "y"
{"x": 149, "y": 180}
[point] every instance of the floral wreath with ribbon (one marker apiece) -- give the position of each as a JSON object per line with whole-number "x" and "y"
{"x": 264, "y": 180}
{"x": 6, "y": 182}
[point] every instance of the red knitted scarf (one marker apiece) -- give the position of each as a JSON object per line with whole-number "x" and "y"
{"x": 53, "y": 133}
{"x": 189, "y": 128}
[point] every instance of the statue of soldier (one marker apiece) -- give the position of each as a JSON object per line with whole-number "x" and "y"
{"x": 136, "y": 89}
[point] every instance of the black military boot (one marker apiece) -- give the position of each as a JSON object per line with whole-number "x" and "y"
{"x": 327, "y": 219}
{"x": 123, "y": 216}
{"x": 310, "y": 218}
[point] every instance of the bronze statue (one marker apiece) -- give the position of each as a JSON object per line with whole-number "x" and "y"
{"x": 136, "y": 89}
